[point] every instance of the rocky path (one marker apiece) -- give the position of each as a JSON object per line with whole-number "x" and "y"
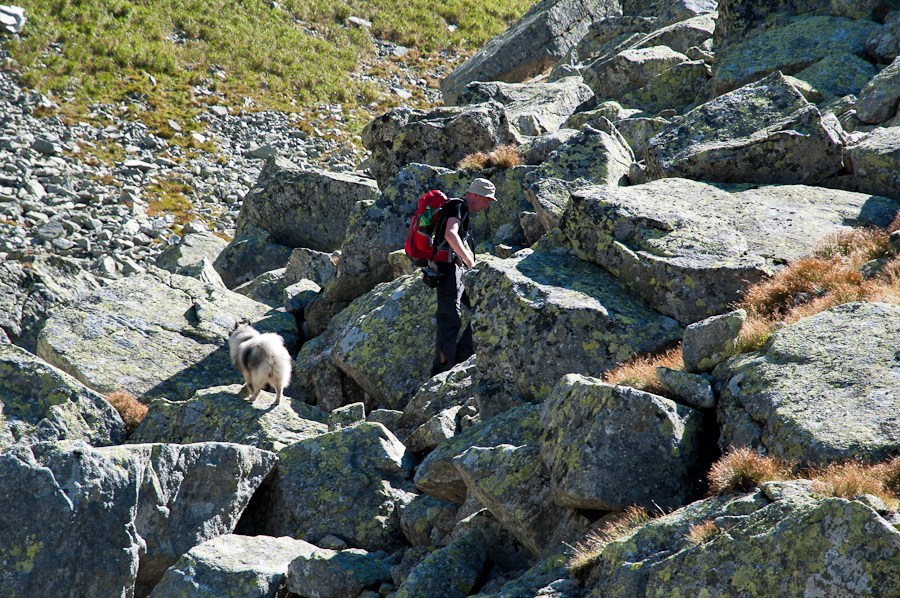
{"x": 57, "y": 197}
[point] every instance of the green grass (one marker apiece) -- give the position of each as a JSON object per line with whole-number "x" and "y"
{"x": 289, "y": 57}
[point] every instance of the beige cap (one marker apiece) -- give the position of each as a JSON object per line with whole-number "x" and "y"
{"x": 482, "y": 187}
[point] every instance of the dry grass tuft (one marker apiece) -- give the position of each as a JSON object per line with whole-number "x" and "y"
{"x": 853, "y": 478}
{"x": 129, "y": 407}
{"x": 853, "y": 265}
{"x": 701, "y": 533}
{"x": 503, "y": 157}
{"x": 585, "y": 553}
{"x": 640, "y": 372}
{"x": 743, "y": 469}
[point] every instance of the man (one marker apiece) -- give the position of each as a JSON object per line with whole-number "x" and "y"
{"x": 453, "y": 233}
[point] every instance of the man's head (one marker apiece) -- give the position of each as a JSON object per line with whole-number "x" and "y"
{"x": 480, "y": 194}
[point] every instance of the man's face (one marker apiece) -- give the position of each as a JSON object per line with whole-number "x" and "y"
{"x": 481, "y": 202}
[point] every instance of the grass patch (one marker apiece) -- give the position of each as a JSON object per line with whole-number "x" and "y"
{"x": 129, "y": 407}
{"x": 703, "y": 532}
{"x": 503, "y": 157}
{"x": 165, "y": 59}
{"x": 170, "y": 197}
{"x": 741, "y": 470}
{"x": 640, "y": 371}
{"x": 585, "y": 553}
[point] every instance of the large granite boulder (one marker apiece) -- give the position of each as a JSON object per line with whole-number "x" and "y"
{"x": 303, "y": 207}
{"x": 32, "y": 287}
{"x": 541, "y": 316}
{"x": 531, "y": 46}
{"x": 875, "y": 162}
{"x": 309, "y": 264}
{"x": 348, "y": 483}
{"x": 789, "y": 49}
{"x": 824, "y": 389}
{"x": 441, "y": 137}
{"x": 598, "y": 156}
{"x": 438, "y": 475}
{"x": 449, "y": 572}
{"x": 764, "y": 132}
{"x": 383, "y": 341}
{"x": 514, "y": 485}
{"x": 879, "y": 99}
{"x": 682, "y": 86}
{"x": 774, "y": 542}
{"x": 691, "y": 249}
{"x": 632, "y": 69}
{"x": 234, "y": 566}
{"x": 39, "y": 402}
{"x": 220, "y": 414}
{"x": 324, "y": 573}
{"x": 595, "y": 435}
{"x": 534, "y": 108}
{"x": 739, "y": 18}
{"x": 838, "y": 75}
{"x": 154, "y": 335}
{"x": 109, "y": 521}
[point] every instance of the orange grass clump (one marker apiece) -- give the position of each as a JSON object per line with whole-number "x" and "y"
{"x": 743, "y": 469}
{"x": 640, "y": 372}
{"x": 129, "y": 407}
{"x": 586, "y": 552}
{"x": 503, "y": 157}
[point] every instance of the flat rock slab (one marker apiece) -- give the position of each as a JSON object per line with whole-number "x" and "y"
{"x": 764, "y": 132}
{"x": 159, "y": 335}
{"x": 690, "y": 249}
{"x": 575, "y": 316}
{"x": 223, "y": 414}
{"x": 234, "y": 566}
{"x": 109, "y": 521}
{"x": 39, "y": 402}
{"x": 825, "y": 388}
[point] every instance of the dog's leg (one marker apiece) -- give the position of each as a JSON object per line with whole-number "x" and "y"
{"x": 278, "y": 391}
{"x": 255, "y": 394}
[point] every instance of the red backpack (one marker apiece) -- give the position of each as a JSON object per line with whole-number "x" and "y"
{"x": 420, "y": 240}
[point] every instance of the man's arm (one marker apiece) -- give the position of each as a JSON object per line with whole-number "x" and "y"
{"x": 451, "y": 234}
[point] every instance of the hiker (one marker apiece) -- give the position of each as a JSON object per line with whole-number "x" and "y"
{"x": 453, "y": 234}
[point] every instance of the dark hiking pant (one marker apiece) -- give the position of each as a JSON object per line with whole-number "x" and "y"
{"x": 451, "y": 297}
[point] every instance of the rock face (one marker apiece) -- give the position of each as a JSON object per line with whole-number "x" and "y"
{"x": 767, "y": 543}
{"x": 153, "y": 336}
{"x": 304, "y": 207}
{"x": 690, "y": 249}
{"x": 742, "y": 135}
{"x": 325, "y": 573}
{"x": 41, "y": 403}
{"x": 232, "y": 565}
{"x": 790, "y": 49}
{"x": 532, "y": 45}
{"x": 220, "y": 415}
{"x": 451, "y": 572}
{"x": 824, "y": 389}
{"x": 576, "y": 317}
{"x": 593, "y": 156}
{"x": 111, "y": 520}
{"x": 187, "y": 257}
{"x": 596, "y": 435}
{"x": 876, "y": 162}
{"x": 352, "y": 480}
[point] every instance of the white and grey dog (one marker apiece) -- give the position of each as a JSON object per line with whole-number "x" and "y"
{"x": 261, "y": 358}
